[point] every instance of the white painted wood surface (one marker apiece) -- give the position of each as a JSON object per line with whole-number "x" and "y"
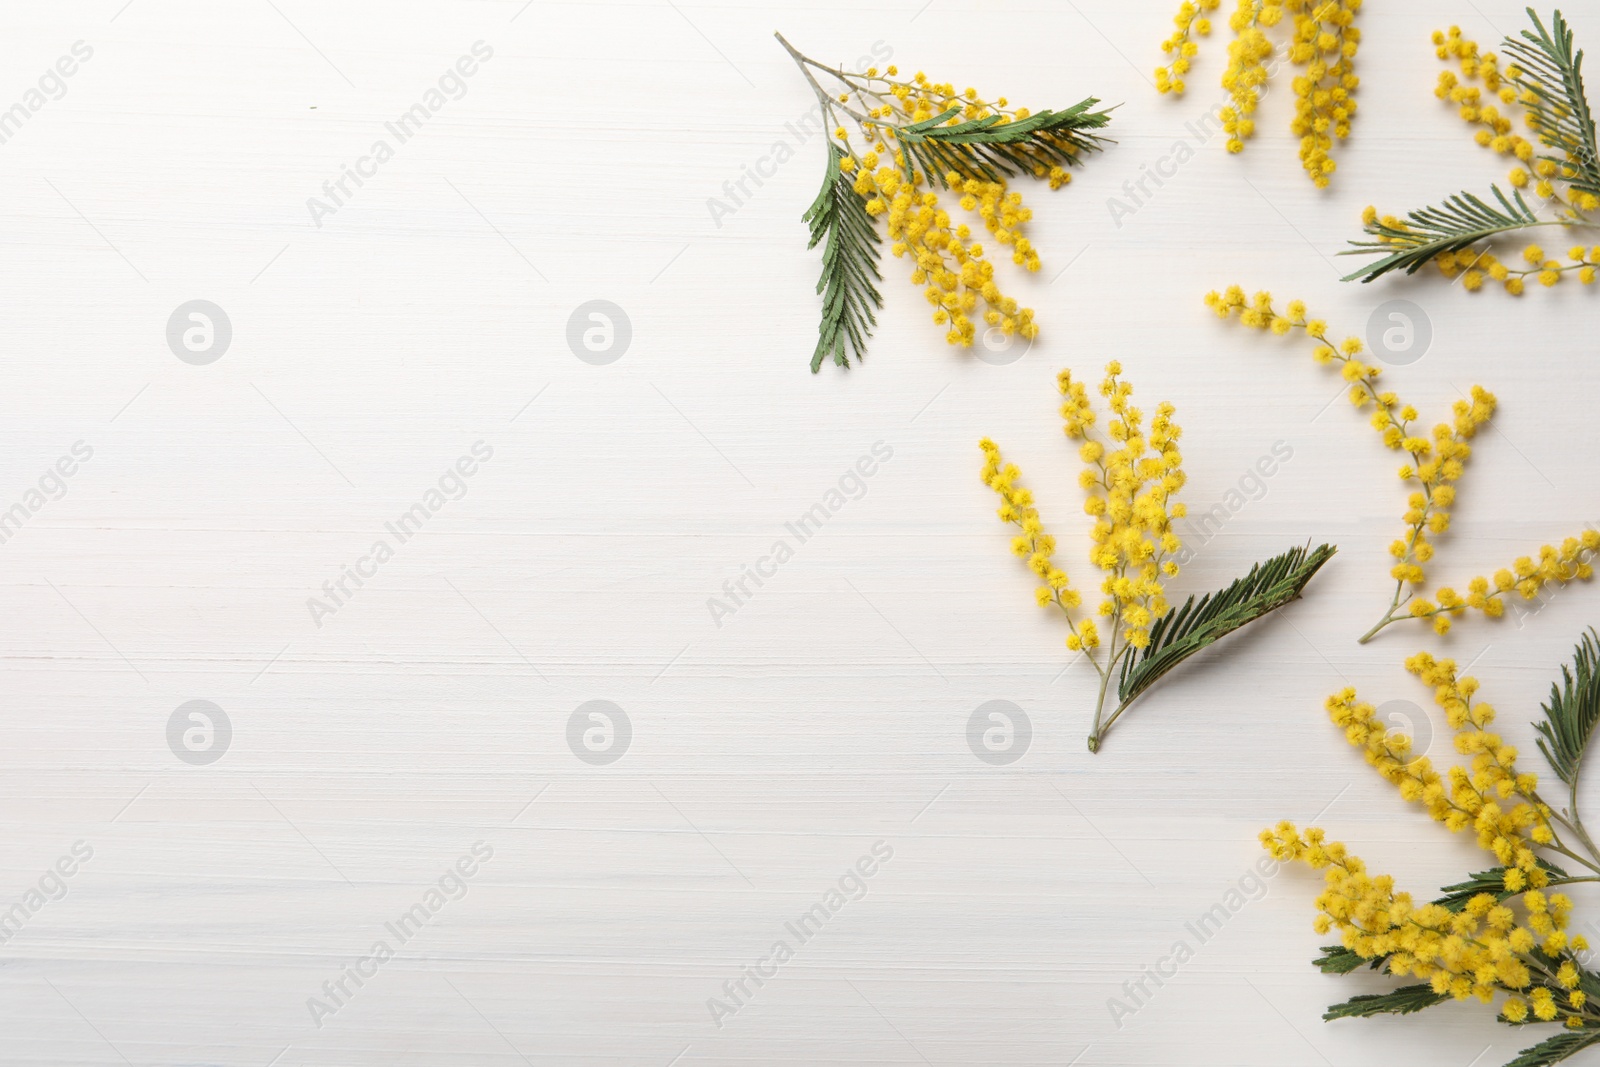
{"x": 430, "y": 712}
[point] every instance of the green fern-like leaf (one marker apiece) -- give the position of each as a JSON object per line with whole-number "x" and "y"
{"x": 1402, "y": 1001}
{"x": 1200, "y": 623}
{"x": 1555, "y": 1049}
{"x": 1455, "y": 897}
{"x": 1461, "y": 221}
{"x": 848, "y": 285}
{"x": 1573, "y": 711}
{"x": 1551, "y": 84}
{"x": 991, "y": 150}
{"x": 1337, "y": 959}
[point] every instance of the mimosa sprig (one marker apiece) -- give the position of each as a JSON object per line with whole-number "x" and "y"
{"x": 1437, "y": 462}
{"x": 1132, "y": 476}
{"x": 1500, "y": 936}
{"x": 1545, "y": 81}
{"x": 916, "y": 135}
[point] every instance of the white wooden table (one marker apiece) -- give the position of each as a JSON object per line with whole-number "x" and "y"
{"x": 423, "y": 312}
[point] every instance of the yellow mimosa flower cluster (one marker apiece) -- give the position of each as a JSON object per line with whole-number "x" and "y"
{"x": 1131, "y": 476}
{"x": 1437, "y": 461}
{"x": 1482, "y": 951}
{"x": 1247, "y": 68}
{"x": 921, "y": 227}
{"x": 1492, "y": 798}
{"x": 1323, "y": 40}
{"x": 1131, "y": 481}
{"x": 1508, "y": 940}
{"x": 1192, "y": 21}
{"x": 1494, "y": 130}
{"x": 1325, "y": 43}
{"x": 1474, "y": 266}
{"x": 1033, "y": 543}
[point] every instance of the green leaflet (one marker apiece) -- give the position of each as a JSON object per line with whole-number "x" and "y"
{"x": 849, "y": 267}
{"x": 1340, "y": 960}
{"x": 1555, "y": 1049}
{"x": 1455, "y": 897}
{"x": 1573, "y": 711}
{"x": 1200, "y": 623}
{"x": 1461, "y": 221}
{"x": 1402, "y": 1001}
{"x": 990, "y": 150}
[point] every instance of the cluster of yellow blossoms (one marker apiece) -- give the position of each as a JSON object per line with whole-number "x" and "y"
{"x": 1509, "y": 939}
{"x": 918, "y": 225}
{"x": 1324, "y": 41}
{"x": 1032, "y": 544}
{"x": 1247, "y": 68}
{"x": 1193, "y": 20}
{"x": 1483, "y": 950}
{"x": 949, "y": 263}
{"x": 1131, "y": 484}
{"x": 1480, "y": 93}
{"x": 1437, "y": 463}
{"x": 1132, "y": 477}
{"x": 1474, "y": 267}
{"x": 1493, "y": 798}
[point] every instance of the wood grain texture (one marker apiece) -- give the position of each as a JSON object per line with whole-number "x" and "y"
{"x": 768, "y": 754}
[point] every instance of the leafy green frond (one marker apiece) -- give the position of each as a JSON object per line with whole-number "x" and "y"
{"x": 1199, "y": 623}
{"x": 1573, "y": 711}
{"x": 990, "y": 130}
{"x": 1555, "y": 1049}
{"x": 1455, "y": 897}
{"x": 849, "y": 267}
{"x": 1459, "y": 222}
{"x": 989, "y": 149}
{"x": 1550, "y": 84}
{"x": 1340, "y": 960}
{"x": 1402, "y": 1001}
